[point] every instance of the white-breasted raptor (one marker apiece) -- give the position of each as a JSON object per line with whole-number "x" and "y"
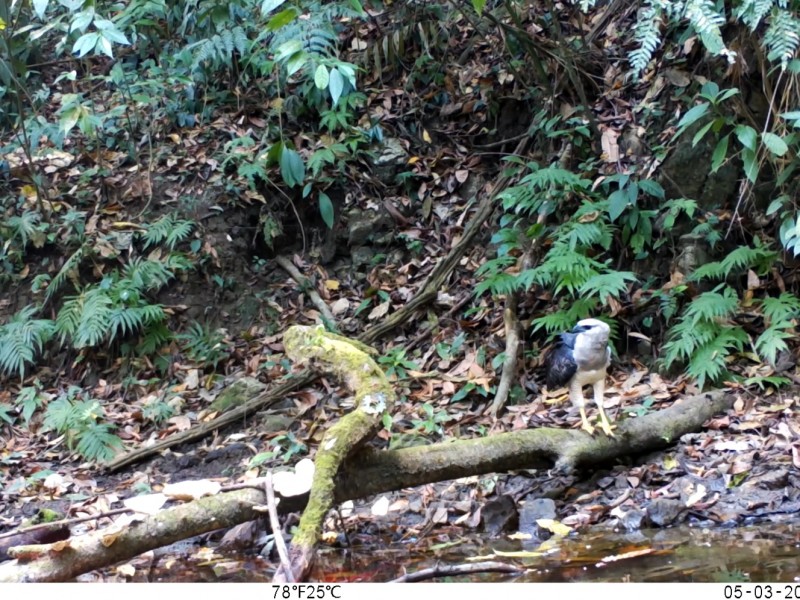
{"x": 580, "y": 358}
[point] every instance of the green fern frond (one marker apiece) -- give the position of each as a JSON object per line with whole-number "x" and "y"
{"x": 499, "y": 284}
{"x": 647, "y": 34}
{"x": 554, "y": 177}
{"x": 67, "y": 270}
{"x": 59, "y": 415}
{"x": 154, "y": 337}
{"x": 781, "y": 309}
{"x": 96, "y": 442}
{"x": 575, "y": 234}
{"x": 167, "y": 229}
{"x": 706, "y": 20}
{"x": 25, "y": 226}
{"x": 782, "y": 37}
{"x": 565, "y": 319}
{"x": 771, "y": 341}
{"x": 21, "y": 338}
{"x": 603, "y": 285}
{"x": 565, "y": 269}
{"x": 751, "y": 12}
{"x": 702, "y": 339}
{"x": 759, "y": 259}
{"x": 147, "y": 275}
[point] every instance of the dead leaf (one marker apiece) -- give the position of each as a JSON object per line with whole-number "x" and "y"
{"x": 148, "y": 504}
{"x": 380, "y": 507}
{"x": 379, "y": 311}
{"x": 191, "y": 490}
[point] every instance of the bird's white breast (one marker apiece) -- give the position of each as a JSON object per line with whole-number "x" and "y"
{"x": 592, "y": 352}
{"x": 590, "y": 377}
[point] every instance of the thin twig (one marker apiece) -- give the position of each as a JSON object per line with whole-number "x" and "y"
{"x": 116, "y": 511}
{"x": 276, "y": 529}
{"x": 308, "y": 287}
{"x": 463, "y": 569}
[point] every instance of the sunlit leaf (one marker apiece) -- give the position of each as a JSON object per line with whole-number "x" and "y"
{"x": 267, "y": 6}
{"x": 774, "y": 143}
{"x": 747, "y": 136}
{"x": 321, "y": 77}
{"x": 336, "y": 85}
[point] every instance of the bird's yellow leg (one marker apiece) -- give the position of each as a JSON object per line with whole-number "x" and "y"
{"x": 585, "y": 425}
{"x": 599, "y": 392}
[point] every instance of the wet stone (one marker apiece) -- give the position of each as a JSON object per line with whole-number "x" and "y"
{"x": 500, "y": 515}
{"x": 663, "y": 512}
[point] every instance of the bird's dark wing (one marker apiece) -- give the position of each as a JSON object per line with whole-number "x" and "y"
{"x": 560, "y": 366}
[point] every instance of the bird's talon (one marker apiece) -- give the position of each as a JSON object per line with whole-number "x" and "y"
{"x": 588, "y": 428}
{"x": 608, "y": 429}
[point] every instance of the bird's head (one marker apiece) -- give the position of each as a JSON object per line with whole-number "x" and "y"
{"x": 596, "y": 330}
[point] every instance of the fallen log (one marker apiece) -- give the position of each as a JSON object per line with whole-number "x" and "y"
{"x": 370, "y": 472}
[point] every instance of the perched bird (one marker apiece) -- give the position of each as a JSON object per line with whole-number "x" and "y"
{"x": 581, "y": 357}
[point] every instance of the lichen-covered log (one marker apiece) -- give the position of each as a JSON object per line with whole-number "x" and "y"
{"x": 376, "y": 472}
{"x": 63, "y": 561}
{"x": 374, "y": 396}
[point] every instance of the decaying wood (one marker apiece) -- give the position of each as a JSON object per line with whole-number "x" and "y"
{"x": 374, "y": 397}
{"x": 373, "y": 472}
{"x": 308, "y": 287}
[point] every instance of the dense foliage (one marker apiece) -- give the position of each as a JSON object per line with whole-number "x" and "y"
{"x": 106, "y": 87}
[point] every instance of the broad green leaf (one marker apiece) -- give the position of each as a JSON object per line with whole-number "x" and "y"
{"x": 288, "y": 49}
{"x": 478, "y": 5}
{"x": 787, "y": 231}
{"x": 617, "y": 203}
{"x": 81, "y": 21}
{"x": 282, "y": 19}
{"x": 85, "y": 44}
{"x": 776, "y": 205}
{"x": 296, "y": 62}
{"x": 347, "y": 71}
{"x": 267, "y": 6}
{"x": 326, "y": 209}
{"x": 112, "y": 34}
{"x": 709, "y": 90}
{"x": 105, "y": 47}
{"x": 275, "y": 152}
{"x": 692, "y": 115}
{"x": 747, "y": 136}
{"x": 774, "y": 143}
{"x": 727, "y": 94}
{"x": 321, "y": 77}
{"x": 701, "y": 133}
{"x": 293, "y": 170}
{"x": 336, "y": 85}
{"x": 720, "y": 153}
{"x": 69, "y": 118}
{"x": 653, "y": 188}
{"x": 750, "y": 165}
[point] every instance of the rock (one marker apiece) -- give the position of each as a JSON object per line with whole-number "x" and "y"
{"x": 532, "y": 511}
{"x": 663, "y": 512}
{"x": 365, "y": 225}
{"x": 500, "y": 515}
{"x": 391, "y": 158}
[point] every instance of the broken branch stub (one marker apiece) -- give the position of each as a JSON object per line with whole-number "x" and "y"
{"x": 351, "y": 362}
